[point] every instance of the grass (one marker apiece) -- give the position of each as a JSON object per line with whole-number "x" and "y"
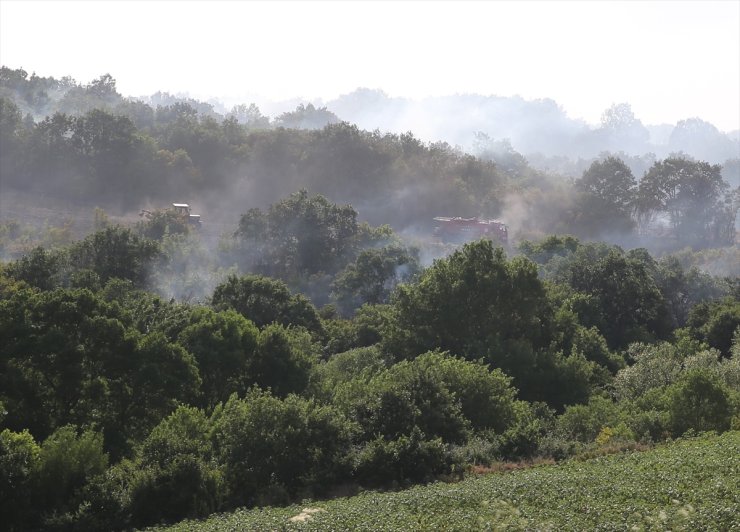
{"x": 690, "y": 484}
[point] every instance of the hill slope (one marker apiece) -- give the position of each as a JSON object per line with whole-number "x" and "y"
{"x": 690, "y": 484}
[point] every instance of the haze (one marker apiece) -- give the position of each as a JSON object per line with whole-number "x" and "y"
{"x": 669, "y": 60}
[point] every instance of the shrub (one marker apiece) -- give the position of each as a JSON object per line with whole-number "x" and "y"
{"x": 699, "y": 401}
{"x": 267, "y": 443}
{"x": 402, "y": 460}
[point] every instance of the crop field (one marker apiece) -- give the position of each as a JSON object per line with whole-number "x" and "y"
{"x": 691, "y": 484}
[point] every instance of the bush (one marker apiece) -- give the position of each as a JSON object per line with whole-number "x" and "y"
{"x": 584, "y": 422}
{"x": 175, "y": 476}
{"x": 402, "y": 460}
{"x": 266, "y": 443}
{"x": 699, "y": 401}
{"x": 67, "y": 462}
{"x": 406, "y": 396}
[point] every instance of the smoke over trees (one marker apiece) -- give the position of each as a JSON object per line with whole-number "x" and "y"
{"x": 314, "y": 332}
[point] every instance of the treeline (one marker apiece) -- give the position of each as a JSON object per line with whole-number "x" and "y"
{"x": 121, "y": 408}
{"x": 125, "y": 154}
{"x": 540, "y": 129}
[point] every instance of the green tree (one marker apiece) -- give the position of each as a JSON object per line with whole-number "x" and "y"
{"x": 282, "y": 361}
{"x": 627, "y": 304}
{"x": 373, "y": 276}
{"x": 67, "y": 462}
{"x": 652, "y": 366}
{"x": 299, "y": 235}
{"x": 42, "y": 269}
{"x": 693, "y": 196}
{"x": 263, "y": 301}
{"x": 271, "y": 448}
{"x": 68, "y": 357}
{"x": 608, "y": 191}
{"x": 223, "y": 344}
{"x": 715, "y": 323}
{"x": 176, "y": 477}
{"x": 116, "y": 252}
{"x": 476, "y": 304}
{"x": 699, "y": 401}
{"x": 19, "y": 459}
{"x": 414, "y": 395}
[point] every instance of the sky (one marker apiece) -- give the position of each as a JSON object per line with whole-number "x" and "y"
{"x": 670, "y": 60}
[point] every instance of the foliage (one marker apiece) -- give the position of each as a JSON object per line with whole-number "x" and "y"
{"x": 694, "y": 197}
{"x": 157, "y": 224}
{"x": 715, "y": 323}
{"x": 175, "y": 474}
{"x": 402, "y": 460}
{"x": 652, "y": 366}
{"x": 223, "y": 344}
{"x": 299, "y": 235}
{"x": 475, "y": 304}
{"x": 628, "y": 305}
{"x": 608, "y": 191}
{"x": 39, "y": 268}
{"x": 19, "y": 458}
{"x": 69, "y": 358}
{"x": 116, "y": 252}
{"x": 684, "y": 485}
{"x": 67, "y": 462}
{"x": 282, "y": 360}
{"x": 372, "y": 277}
{"x": 269, "y": 445}
{"x": 263, "y": 301}
{"x": 699, "y": 401}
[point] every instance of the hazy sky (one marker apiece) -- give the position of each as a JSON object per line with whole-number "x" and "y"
{"x": 670, "y": 60}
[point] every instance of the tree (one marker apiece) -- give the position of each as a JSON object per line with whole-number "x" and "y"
{"x": 39, "y": 268}
{"x": 263, "y": 301}
{"x": 19, "y": 459}
{"x": 411, "y": 395}
{"x": 625, "y": 303}
{"x": 272, "y": 448}
{"x": 652, "y": 366}
{"x": 682, "y": 289}
{"x": 10, "y": 140}
{"x": 702, "y": 140}
{"x": 373, "y": 276}
{"x": 475, "y": 304}
{"x": 68, "y": 460}
{"x": 250, "y": 116}
{"x": 68, "y": 357}
{"x": 300, "y": 235}
{"x": 116, "y": 252}
{"x": 608, "y": 191}
{"x": 693, "y": 196}
{"x": 307, "y": 117}
{"x": 175, "y": 476}
{"x": 486, "y": 396}
{"x": 715, "y": 323}
{"x": 282, "y": 360}
{"x": 699, "y": 401}
{"x": 223, "y": 344}
{"x": 622, "y": 130}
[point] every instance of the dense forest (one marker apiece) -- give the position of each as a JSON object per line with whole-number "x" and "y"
{"x": 321, "y": 340}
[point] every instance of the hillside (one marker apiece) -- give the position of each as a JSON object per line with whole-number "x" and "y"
{"x": 690, "y": 484}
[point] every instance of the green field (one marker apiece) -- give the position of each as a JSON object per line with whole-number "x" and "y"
{"x": 691, "y": 484}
